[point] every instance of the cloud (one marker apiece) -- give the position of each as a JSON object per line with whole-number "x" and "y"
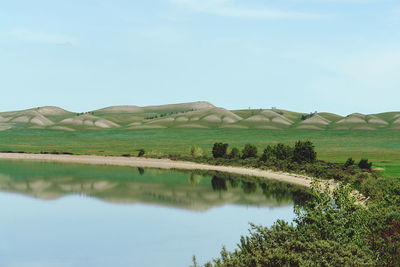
{"x": 229, "y": 8}
{"x": 32, "y": 36}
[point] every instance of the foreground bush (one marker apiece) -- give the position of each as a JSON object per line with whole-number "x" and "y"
{"x": 330, "y": 230}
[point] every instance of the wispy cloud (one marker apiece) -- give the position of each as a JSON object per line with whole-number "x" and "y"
{"x": 230, "y": 8}
{"x": 33, "y": 36}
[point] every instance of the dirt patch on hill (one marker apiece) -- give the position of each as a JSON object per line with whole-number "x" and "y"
{"x": 234, "y": 127}
{"x": 51, "y": 111}
{"x": 120, "y": 109}
{"x": 267, "y": 128}
{"x": 197, "y": 126}
{"x": 281, "y": 120}
{"x": 147, "y": 127}
{"x": 61, "y": 128}
{"x": 257, "y": 118}
{"x": 316, "y": 119}
{"x": 377, "y": 121}
{"x": 352, "y": 120}
{"x": 309, "y": 127}
{"x": 364, "y": 128}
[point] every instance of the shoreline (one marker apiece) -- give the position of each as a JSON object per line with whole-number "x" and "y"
{"x": 297, "y": 179}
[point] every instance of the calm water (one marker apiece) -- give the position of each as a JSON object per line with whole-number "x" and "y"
{"x": 78, "y": 215}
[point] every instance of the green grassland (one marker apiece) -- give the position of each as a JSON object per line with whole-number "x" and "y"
{"x": 173, "y": 129}
{"x": 381, "y": 147}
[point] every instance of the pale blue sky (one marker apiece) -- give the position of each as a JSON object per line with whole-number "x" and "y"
{"x": 340, "y": 56}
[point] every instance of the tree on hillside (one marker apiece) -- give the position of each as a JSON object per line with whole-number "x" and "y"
{"x": 267, "y": 154}
{"x": 249, "y": 151}
{"x": 141, "y": 152}
{"x": 235, "y": 153}
{"x": 196, "y": 151}
{"x": 349, "y": 162}
{"x": 282, "y": 151}
{"x": 219, "y": 150}
{"x": 364, "y": 164}
{"x": 304, "y": 152}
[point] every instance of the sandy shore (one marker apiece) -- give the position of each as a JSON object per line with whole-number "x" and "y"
{"x": 159, "y": 163}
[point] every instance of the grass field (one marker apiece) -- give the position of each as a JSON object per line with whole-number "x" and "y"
{"x": 382, "y": 147}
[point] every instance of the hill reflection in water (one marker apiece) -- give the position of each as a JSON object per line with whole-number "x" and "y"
{"x": 187, "y": 190}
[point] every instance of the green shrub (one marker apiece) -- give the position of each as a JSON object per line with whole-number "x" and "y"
{"x": 304, "y": 152}
{"x": 364, "y": 164}
{"x": 282, "y": 151}
{"x": 219, "y": 150}
{"x": 141, "y": 153}
{"x": 349, "y": 162}
{"x": 196, "y": 151}
{"x": 235, "y": 153}
{"x": 267, "y": 154}
{"x": 249, "y": 151}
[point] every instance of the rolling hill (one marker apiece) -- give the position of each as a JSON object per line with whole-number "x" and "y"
{"x": 201, "y": 115}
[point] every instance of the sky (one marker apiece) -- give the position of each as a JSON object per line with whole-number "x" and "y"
{"x": 340, "y": 56}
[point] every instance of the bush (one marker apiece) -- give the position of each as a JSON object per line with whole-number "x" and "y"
{"x": 219, "y": 150}
{"x": 235, "y": 153}
{"x": 282, "y": 151}
{"x": 364, "y": 164}
{"x": 249, "y": 151}
{"x": 141, "y": 153}
{"x": 196, "y": 151}
{"x": 268, "y": 153}
{"x": 304, "y": 152}
{"x": 349, "y": 162}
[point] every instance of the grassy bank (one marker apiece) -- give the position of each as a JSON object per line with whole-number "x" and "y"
{"x": 382, "y": 147}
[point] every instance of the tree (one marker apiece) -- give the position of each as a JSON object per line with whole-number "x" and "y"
{"x": 304, "y": 152}
{"x": 282, "y": 151}
{"x": 267, "y": 154}
{"x": 349, "y": 162}
{"x": 196, "y": 151}
{"x": 249, "y": 151}
{"x": 235, "y": 153}
{"x": 141, "y": 152}
{"x": 219, "y": 150}
{"x": 364, "y": 164}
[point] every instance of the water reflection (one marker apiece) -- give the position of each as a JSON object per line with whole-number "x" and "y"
{"x": 82, "y": 231}
{"x": 189, "y": 190}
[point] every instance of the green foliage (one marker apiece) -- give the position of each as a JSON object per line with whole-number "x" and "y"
{"x": 196, "y": 151}
{"x": 349, "y": 162}
{"x": 219, "y": 150}
{"x": 235, "y": 153}
{"x": 329, "y": 231}
{"x": 377, "y": 146}
{"x": 282, "y": 152}
{"x": 267, "y": 154}
{"x": 141, "y": 153}
{"x": 249, "y": 151}
{"x": 364, "y": 164}
{"x": 304, "y": 152}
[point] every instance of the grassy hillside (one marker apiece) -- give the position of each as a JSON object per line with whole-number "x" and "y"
{"x": 173, "y": 129}
{"x": 193, "y": 115}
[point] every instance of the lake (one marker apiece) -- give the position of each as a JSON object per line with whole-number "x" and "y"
{"x": 56, "y": 214}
